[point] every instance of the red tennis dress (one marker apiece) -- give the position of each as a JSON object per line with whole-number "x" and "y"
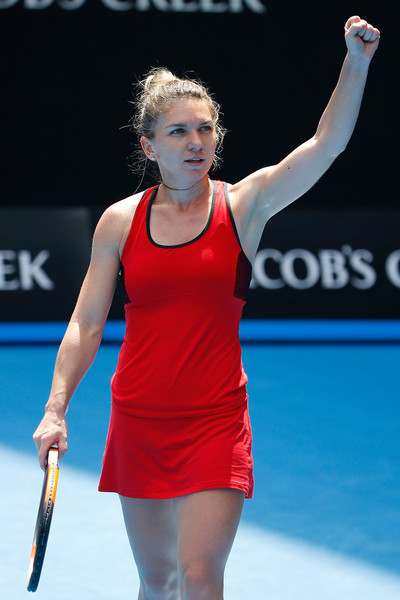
{"x": 179, "y": 420}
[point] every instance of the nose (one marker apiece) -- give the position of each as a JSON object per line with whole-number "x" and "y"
{"x": 195, "y": 142}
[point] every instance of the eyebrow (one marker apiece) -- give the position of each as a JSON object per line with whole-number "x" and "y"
{"x": 185, "y": 124}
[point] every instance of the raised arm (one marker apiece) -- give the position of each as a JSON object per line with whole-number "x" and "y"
{"x": 339, "y": 118}
{"x": 269, "y": 190}
{"x": 83, "y": 335}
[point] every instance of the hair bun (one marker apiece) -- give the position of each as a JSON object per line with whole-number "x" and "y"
{"x": 158, "y": 77}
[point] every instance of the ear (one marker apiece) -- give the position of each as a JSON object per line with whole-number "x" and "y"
{"x": 148, "y": 148}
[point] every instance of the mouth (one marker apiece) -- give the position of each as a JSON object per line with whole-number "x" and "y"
{"x": 194, "y": 161}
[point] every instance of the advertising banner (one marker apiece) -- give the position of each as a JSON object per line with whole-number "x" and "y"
{"x": 310, "y": 265}
{"x": 44, "y": 255}
{"x": 328, "y": 264}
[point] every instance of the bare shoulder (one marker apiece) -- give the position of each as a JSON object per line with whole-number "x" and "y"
{"x": 115, "y": 223}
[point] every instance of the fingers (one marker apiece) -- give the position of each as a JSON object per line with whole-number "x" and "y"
{"x": 44, "y": 437}
{"x": 43, "y": 450}
{"x": 357, "y": 26}
{"x": 42, "y": 455}
{"x": 366, "y": 31}
{"x": 352, "y": 21}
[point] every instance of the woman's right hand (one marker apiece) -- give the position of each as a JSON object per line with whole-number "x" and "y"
{"x": 52, "y": 429}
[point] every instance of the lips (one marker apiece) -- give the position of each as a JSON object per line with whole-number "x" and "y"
{"x": 194, "y": 161}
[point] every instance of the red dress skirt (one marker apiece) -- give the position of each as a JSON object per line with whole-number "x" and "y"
{"x": 167, "y": 458}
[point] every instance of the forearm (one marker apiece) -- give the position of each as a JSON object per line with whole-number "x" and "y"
{"x": 340, "y": 116}
{"x": 75, "y": 355}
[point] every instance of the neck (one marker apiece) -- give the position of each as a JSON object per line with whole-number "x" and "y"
{"x": 178, "y": 189}
{"x": 185, "y": 196}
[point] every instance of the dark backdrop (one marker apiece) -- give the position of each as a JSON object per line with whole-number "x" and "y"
{"x": 67, "y": 69}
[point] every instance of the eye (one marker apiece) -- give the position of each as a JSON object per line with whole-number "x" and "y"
{"x": 206, "y": 128}
{"x": 177, "y": 131}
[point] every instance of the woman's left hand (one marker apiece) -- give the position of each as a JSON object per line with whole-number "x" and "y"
{"x": 362, "y": 38}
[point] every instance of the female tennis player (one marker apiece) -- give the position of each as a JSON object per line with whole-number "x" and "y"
{"x": 178, "y": 450}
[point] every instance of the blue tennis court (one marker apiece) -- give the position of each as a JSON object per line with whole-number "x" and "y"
{"x": 325, "y": 519}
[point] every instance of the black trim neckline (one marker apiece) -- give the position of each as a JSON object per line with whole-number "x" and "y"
{"x": 207, "y": 225}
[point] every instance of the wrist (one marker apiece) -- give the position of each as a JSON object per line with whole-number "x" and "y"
{"x": 57, "y": 405}
{"x": 357, "y": 62}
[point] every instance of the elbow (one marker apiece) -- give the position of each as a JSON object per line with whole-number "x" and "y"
{"x": 331, "y": 147}
{"x": 87, "y": 327}
{"x": 339, "y": 147}
{"x": 335, "y": 152}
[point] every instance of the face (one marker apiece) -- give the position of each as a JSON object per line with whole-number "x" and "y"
{"x": 184, "y": 141}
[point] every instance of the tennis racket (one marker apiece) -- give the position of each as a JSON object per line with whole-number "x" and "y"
{"x": 43, "y": 521}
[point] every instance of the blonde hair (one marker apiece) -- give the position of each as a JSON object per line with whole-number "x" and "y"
{"x": 156, "y": 93}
